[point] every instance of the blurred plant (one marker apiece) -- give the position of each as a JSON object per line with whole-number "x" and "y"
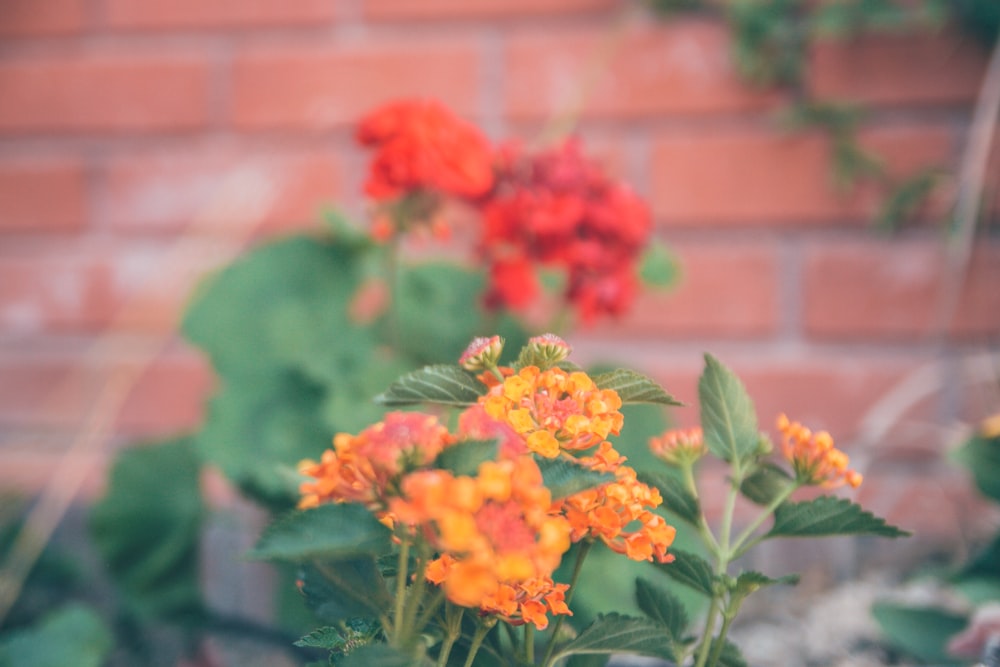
{"x": 443, "y": 544}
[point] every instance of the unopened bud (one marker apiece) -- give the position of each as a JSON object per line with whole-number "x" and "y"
{"x": 679, "y": 447}
{"x": 482, "y": 354}
{"x": 548, "y": 349}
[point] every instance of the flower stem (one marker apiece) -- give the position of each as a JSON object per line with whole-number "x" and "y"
{"x": 740, "y": 544}
{"x": 453, "y": 630}
{"x": 713, "y": 658}
{"x": 703, "y": 528}
{"x": 402, "y": 570}
{"x": 415, "y": 597}
{"x": 581, "y": 555}
{"x": 477, "y": 640}
{"x": 529, "y": 643}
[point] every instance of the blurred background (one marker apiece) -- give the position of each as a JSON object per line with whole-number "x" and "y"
{"x": 805, "y": 182}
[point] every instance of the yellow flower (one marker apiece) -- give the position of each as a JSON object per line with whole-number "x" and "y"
{"x": 814, "y": 458}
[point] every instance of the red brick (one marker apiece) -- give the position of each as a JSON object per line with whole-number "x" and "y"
{"x": 888, "y": 69}
{"x": 31, "y": 18}
{"x": 745, "y": 176}
{"x": 25, "y": 471}
{"x": 103, "y": 94}
{"x": 158, "y": 14}
{"x": 681, "y": 67}
{"x": 168, "y": 398}
{"x": 53, "y": 293}
{"x": 167, "y": 192}
{"x": 724, "y": 291}
{"x": 42, "y": 196}
{"x": 482, "y": 9}
{"x": 316, "y": 88}
{"x": 891, "y": 290}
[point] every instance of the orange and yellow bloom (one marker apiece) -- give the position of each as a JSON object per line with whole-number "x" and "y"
{"x": 814, "y": 458}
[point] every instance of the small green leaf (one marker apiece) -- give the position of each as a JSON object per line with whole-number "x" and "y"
{"x": 329, "y": 531}
{"x": 342, "y": 589}
{"x": 691, "y": 570}
{"x": 381, "y": 655}
{"x": 730, "y": 655}
{"x": 658, "y": 267}
{"x": 72, "y": 635}
{"x": 727, "y": 413}
{"x": 617, "y": 634}
{"x": 676, "y": 499}
{"x": 751, "y": 582}
{"x": 325, "y": 637}
{"x": 828, "y": 515}
{"x": 634, "y": 387}
{"x": 447, "y": 385}
{"x": 564, "y": 478}
{"x": 765, "y": 483}
{"x": 662, "y": 606}
{"x": 921, "y": 632}
{"x": 982, "y": 457}
{"x": 464, "y": 458}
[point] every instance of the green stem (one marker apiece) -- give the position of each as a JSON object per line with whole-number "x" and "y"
{"x": 581, "y": 555}
{"x": 415, "y": 596}
{"x": 477, "y": 640}
{"x": 703, "y": 528}
{"x": 453, "y": 630}
{"x": 529, "y": 643}
{"x": 706, "y": 638}
{"x": 402, "y": 570}
{"x": 740, "y": 544}
{"x": 430, "y": 609}
{"x": 713, "y": 658}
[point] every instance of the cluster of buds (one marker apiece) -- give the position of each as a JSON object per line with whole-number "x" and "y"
{"x": 679, "y": 447}
{"x": 814, "y": 458}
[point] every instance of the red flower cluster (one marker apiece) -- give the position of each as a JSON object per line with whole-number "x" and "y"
{"x": 558, "y": 209}
{"x": 421, "y": 145}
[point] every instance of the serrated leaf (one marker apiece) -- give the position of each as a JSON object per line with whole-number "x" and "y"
{"x": 381, "y": 655}
{"x": 981, "y": 456}
{"x": 662, "y": 606}
{"x": 751, "y": 582}
{"x": 564, "y": 478}
{"x": 676, "y": 499}
{"x": 765, "y": 483}
{"x": 464, "y": 458}
{"x": 828, "y": 515}
{"x": 617, "y": 634}
{"x": 72, "y": 635}
{"x": 337, "y": 590}
{"x": 634, "y": 387}
{"x": 325, "y": 637}
{"x": 691, "y": 570}
{"x": 728, "y": 419}
{"x": 920, "y": 632}
{"x": 332, "y": 531}
{"x": 443, "y": 384}
{"x": 147, "y": 529}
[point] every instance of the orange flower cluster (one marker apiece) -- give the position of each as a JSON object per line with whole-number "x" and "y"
{"x": 679, "y": 446}
{"x": 362, "y": 468}
{"x": 813, "y": 457}
{"x": 496, "y": 528}
{"x": 607, "y": 512}
{"x": 422, "y": 146}
{"x": 554, "y": 410}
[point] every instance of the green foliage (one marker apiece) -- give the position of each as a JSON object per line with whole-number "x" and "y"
{"x": 663, "y": 607}
{"x": 677, "y": 500}
{"x": 147, "y": 529}
{"x": 332, "y": 530}
{"x": 765, "y": 483}
{"x": 828, "y": 515}
{"x": 464, "y": 458}
{"x": 727, "y": 413}
{"x": 659, "y": 267}
{"x": 903, "y": 203}
{"x": 72, "y": 635}
{"x": 376, "y": 654}
{"x": 617, "y": 634}
{"x": 920, "y": 632}
{"x": 691, "y": 570}
{"x": 342, "y": 589}
{"x": 443, "y": 384}
{"x": 564, "y": 478}
{"x": 634, "y": 387}
{"x": 981, "y": 456}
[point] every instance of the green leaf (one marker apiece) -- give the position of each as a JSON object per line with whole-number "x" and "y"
{"x": 337, "y": 590}
{"x": 658, "y": 267}
{"x": 325, "y": 637}
{"x": 72, "y": 635}
{"x": 443, "y": 384}
{"x": 921, "y": 632}
{"x": 564, "y": 478}
{"x": 730, "y": 655}
{"x": 634, "y": 387}
{"x": 985, "y": 563}
{"x": 381, "y": 655}
{"x": 464, "y": 458}
{"x": 662, "y": 606}
{"x": 727, "y": 413}
{"x": 691, "y": 570}
{"x": 751, "y": 582}
{"x": 981, "y": 456}
{"x": 148, "y": 526}
{"x": 617, "y": 634}
{"x": 676, "y": 499}
{"x": 828, "y": 515}
{"x": 765, "y": 483}
{"x": 332, "y": 530}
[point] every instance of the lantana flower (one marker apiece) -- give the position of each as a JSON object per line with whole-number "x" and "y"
{"x": 813, "y": 457}
{"x": 679, "y": 447}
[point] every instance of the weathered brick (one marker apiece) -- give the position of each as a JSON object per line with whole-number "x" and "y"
{"x": 724, "y": 291}
{"x": 481, "y": 10}
{"x": 892, "y": 290}
{"x": 681, "y": 67}
{"x": 770, "y": 177}
{"x": 897, "y": 69}
{"x": 38, "y": 18}
{"x": 103, "y": 94}
{"x": 168, "y": 192}
{"x": 39, "y": 293}
{"x": 315, "y": 88}
{"x": 42, "y": 196}
{"x": 166, "y": 14}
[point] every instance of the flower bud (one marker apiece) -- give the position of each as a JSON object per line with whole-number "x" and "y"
{"x": 548, "y": 348}
{"x": 679, "y": 447}
{"x": 482, "y": 354}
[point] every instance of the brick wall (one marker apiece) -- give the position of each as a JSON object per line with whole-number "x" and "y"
{"x": 126, "y": 127}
